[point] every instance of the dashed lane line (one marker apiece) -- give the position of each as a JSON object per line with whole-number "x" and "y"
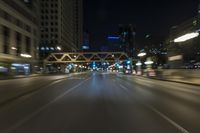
{"x": 176, "y": 125}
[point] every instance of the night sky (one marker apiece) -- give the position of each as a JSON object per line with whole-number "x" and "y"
{"x": 155, "y": 17}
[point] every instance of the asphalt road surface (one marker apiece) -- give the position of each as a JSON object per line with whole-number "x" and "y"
{"x": 104, "y": 103}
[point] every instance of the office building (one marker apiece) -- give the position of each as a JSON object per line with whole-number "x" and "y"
{"x": 127, "y": 36}
{"x": 86, "y": 41}
{"x": 183, "y": 44}
{"x": 114, "y": 43}
{"x": 19, "y": 36}
{"x": 61, "y": 26}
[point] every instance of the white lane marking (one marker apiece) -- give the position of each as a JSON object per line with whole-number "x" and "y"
{"x": 53, "y": 82}
{"x": 114, "y": 80}
{"x": 176, "y": 125}
{"x": 23, "y": 121}
{"x": 123, "y": 87}
{"x": 183, "y": 130}
{"x": 104, "y": 73}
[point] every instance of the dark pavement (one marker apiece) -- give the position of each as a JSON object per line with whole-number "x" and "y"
{"x": 14, "y": 88}
{"x": 105, "y": 103}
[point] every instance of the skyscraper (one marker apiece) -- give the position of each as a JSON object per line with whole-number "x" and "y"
{"x": 61, "y": 26}
{"x": 127, "y": 36}
{"x": 86, "y": 41}
{"x": 19, "y": 35}
{"x": 78, "y": 23}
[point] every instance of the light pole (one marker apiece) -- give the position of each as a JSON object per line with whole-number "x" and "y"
{"x": 149, "y": 63}
{"x": 139, "y": 63}
{"x": 139, "y": 68}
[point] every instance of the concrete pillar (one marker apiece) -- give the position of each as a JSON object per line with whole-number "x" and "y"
{"x": 13, "y": 43}
{"x": 23, "y": 44}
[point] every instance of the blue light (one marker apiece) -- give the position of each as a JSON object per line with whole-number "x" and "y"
{"x": 125, "y": 33}
{"x": 117, "y": 65}
{"x": 85, "y": 47}
{"x": 94, "y": 64}
{"x": 70, "y": 66}
{"x": 19, "y": 65}
{"x": 113, "y": 38}
{"x": 198, "y": 30}
{"x": 128, "y": 62}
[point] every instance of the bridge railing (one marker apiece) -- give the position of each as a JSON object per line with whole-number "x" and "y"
{"x": 86, "y": 57}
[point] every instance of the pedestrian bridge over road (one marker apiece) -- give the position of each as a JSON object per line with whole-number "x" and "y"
{"x": 85, "y": 57}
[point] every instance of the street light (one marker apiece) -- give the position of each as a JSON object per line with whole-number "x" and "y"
{"x": 13, "y": 48}
{"x": 149, "y": 62}
{"x": 25, "y": 55}
{"x": 59, "y": 48}
{"x": 142, "y": 54}
{"x": 186, "y": 37}
{"x": 139, "y": 64}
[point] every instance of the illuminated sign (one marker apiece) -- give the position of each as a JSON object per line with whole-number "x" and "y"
{"x": 174, "y": 58}
{"x": 113, "y": 38}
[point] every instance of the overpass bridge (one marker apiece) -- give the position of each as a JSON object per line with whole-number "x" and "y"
{"x": 85, "y": 57}
{"x": 83, "y": 60}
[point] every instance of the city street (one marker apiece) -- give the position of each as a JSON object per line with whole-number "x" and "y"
{"x": 101, "y": 66}
{"x": 101, "y": 103}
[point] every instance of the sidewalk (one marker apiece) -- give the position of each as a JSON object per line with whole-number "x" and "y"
{"x": 19, "y": 76}
{"x": 29, "y": 76}
{"x": 189, "y": 81}
{"x": 34, "y": 75}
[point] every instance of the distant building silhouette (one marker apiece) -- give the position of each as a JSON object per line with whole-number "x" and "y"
{"x": 127, "y": 36}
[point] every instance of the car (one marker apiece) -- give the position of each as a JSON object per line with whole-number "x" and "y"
{"x": 127, "y": 71}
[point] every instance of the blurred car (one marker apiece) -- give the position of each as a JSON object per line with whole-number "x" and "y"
{"x": 151, "y": 73}
{"x": 128, "y": 71}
